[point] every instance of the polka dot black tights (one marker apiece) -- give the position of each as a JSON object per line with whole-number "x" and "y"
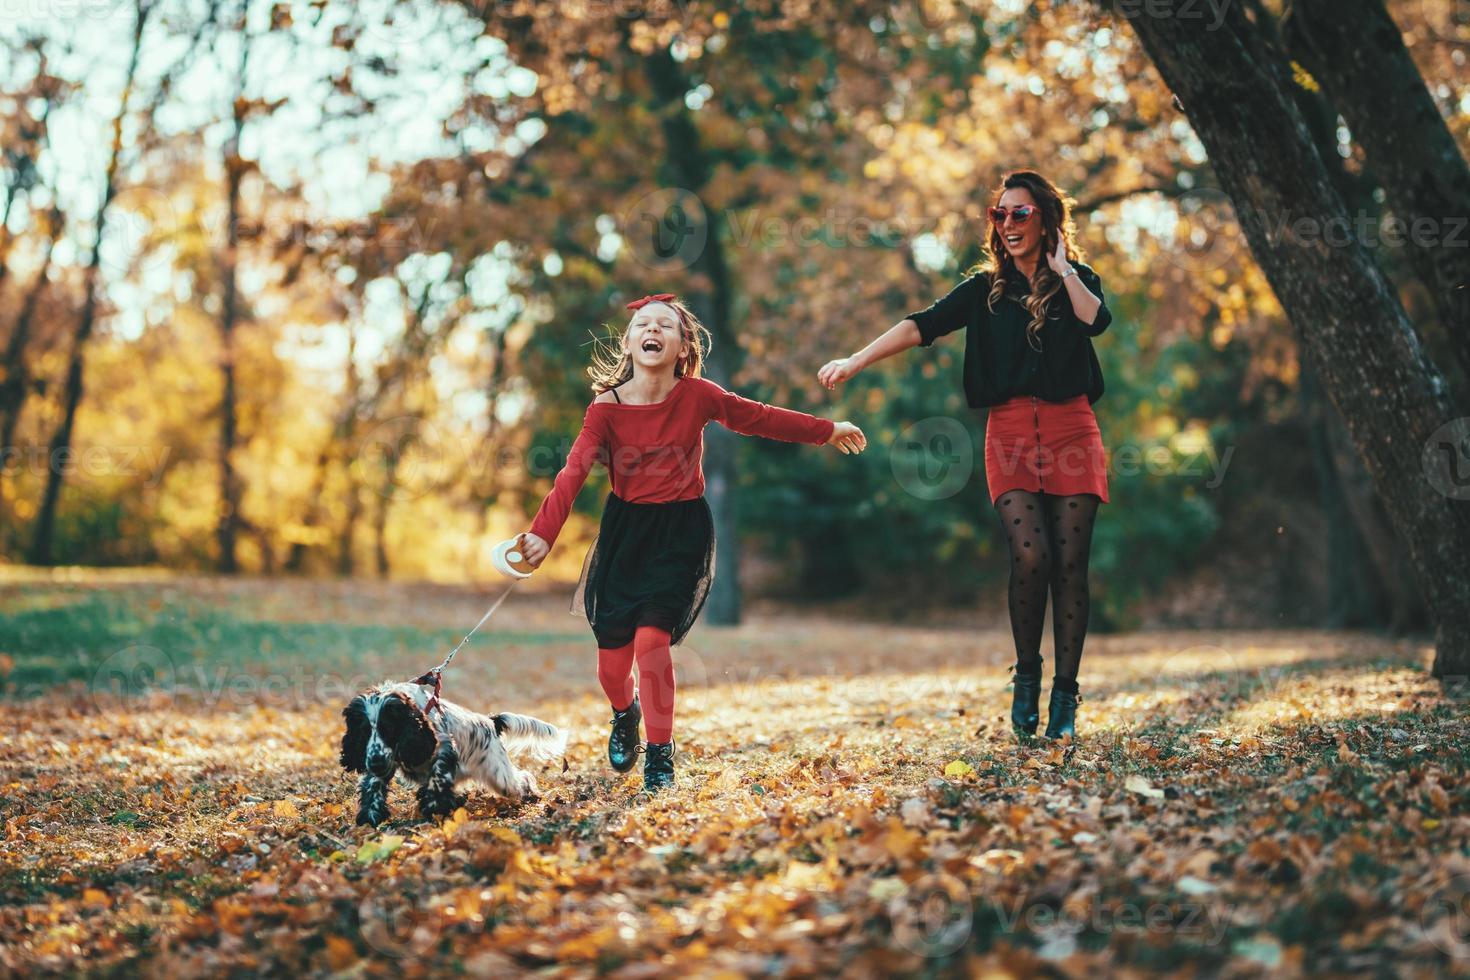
{"x": 1049, "y": 538}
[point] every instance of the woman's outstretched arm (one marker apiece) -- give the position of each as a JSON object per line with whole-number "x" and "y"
{"x": 895, "y": 340}
{"x": 949, "y": 313}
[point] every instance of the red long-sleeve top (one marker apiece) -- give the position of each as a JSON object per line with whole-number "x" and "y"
{"x": 654, "y": 453}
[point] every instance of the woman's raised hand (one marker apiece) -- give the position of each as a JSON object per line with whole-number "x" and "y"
{"x": 1058, "y": 259}
{"x": 833, "y": 373}
{"x": 848, "y": 438}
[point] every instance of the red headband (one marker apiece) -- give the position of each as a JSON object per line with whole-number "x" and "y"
{"x": 638, "y": 304}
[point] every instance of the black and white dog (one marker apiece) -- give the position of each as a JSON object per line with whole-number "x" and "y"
{"x": 388, "y": 730}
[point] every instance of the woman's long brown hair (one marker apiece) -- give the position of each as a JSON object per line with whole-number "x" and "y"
{"x": 1056, "y": 220}
{"x": 611, "y": 365}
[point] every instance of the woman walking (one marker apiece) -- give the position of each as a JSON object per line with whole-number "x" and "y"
{"x": 1031, "y": 310}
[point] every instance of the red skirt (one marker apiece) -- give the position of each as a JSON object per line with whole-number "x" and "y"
{"x": 1045, "y": 447}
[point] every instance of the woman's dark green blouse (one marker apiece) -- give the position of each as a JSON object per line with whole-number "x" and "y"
{"x": 999, "y": 363}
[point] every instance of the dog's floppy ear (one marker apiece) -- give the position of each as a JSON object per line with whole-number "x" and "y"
{"x": 408, "y": 727}
{"x": 355, "y": 735}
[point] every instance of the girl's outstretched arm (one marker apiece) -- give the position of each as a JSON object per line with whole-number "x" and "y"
{"x": 589, "y": 448}
{"x": 753, "y": 418}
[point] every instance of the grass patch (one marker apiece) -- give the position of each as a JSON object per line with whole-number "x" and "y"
{"x": 126, "y": 642}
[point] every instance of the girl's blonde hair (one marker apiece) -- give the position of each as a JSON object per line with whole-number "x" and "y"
{"x": 1055, "y": 212}
{"x": 612, "y": 365}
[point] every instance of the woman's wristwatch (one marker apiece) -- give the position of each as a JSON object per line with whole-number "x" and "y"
{"x": 1070, "y": 272}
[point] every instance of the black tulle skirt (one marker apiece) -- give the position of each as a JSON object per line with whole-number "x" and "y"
{"x": 651, "y": 565}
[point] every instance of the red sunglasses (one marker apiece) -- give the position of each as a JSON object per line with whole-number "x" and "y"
{"x": 1021, "y": 213}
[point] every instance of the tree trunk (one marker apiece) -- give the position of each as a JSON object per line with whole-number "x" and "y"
{"x": 386, "y": 493}
{"x": 1405, "y": 605}
{"x": 1354, "y": 49}
{"x": 42, "y": 543}
{"x": 1354, "y": 592}
{"x": 1352, "y": 328}
{"x": 228, "y": 523}
{"x": 22, "y": 167}
{"x": 7, "y": 241}
{"x": 22, "y": 162}
{"x": 227, "y": 526}
{"x": 341, "y": 435}
{"x": 296, "y": 554}
{"x": 688, "y": 169}
{"x": 17, "y": 381}
{"x": 345, "y": 538}
{"x": 1366, "y": 569}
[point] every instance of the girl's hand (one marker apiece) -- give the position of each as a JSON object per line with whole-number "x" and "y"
{"x": 1058, "y": 259}
{"x": 848, "y": 438}
{"x": 532, "y": 547}
{"x": 835, "y": 372}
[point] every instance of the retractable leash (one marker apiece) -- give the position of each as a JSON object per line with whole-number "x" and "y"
{"x": 507, "y": 560}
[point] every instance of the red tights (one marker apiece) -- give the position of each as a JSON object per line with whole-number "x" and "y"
{"x": 650, "y": 648}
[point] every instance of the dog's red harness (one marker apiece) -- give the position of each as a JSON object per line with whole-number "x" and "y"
{"x": 434, "y": 679}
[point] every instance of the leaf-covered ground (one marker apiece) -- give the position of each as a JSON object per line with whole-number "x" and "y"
{"x": 851, "y": 799}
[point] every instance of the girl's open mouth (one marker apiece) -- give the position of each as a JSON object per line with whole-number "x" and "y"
{"x": 653, "y": 346}
{"x": 1013, "y": 240}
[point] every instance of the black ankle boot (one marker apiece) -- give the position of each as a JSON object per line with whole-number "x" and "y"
{"x": 622, "y": 741}
{"x": 1026, "y": 703}
{"x": 658, "y": 766}
{"x": 1061, "y": 714}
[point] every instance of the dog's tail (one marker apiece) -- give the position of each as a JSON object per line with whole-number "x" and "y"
{"x": 542, "y": 739}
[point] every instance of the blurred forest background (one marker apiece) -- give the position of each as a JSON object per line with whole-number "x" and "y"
{"x": 306, "y": 288}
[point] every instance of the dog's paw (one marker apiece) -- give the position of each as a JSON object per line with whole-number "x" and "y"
{"x": 371, "y": 816}
{"x": 529, "y": 789}
{"x": 440, "y": 803}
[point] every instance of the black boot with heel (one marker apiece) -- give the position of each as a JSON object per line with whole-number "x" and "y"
{"x": 1061, "y": 714}
{"x": 1026, "y": 702}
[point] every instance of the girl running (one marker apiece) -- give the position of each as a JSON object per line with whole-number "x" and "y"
{"x": 1032, "y": 310}
{"x": 648, "y": 572}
